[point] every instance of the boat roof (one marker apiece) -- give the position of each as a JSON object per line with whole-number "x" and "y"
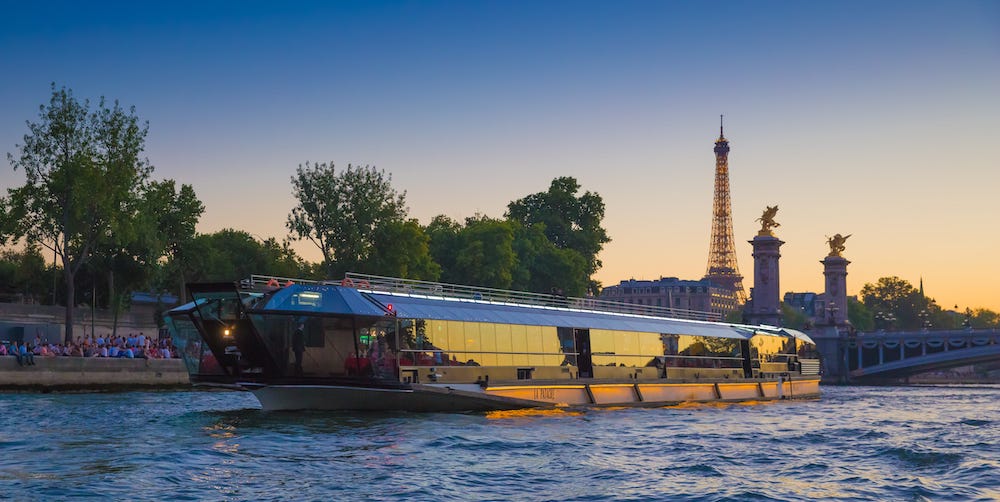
{"x": 455, "y": 309}
{"x": 378, "y": 297}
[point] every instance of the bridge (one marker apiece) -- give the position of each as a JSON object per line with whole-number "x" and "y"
{"x": 889, "y": 355}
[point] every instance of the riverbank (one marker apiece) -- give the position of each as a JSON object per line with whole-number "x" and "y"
{"x": 90, "y": 373}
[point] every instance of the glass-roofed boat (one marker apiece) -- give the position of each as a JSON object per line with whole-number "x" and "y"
{"x": 381, "y": 343}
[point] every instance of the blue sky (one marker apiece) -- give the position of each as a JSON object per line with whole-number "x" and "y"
{"x": 870, "y": 118}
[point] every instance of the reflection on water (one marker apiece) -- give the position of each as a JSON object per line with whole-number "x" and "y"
{"x": 854, "y": 443}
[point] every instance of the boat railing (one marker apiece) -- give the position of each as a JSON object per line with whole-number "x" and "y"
{"x": 428, "y": 288}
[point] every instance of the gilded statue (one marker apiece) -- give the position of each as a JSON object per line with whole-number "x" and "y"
{"x": 837, "y": 244}
{"x": 767, "y": 221}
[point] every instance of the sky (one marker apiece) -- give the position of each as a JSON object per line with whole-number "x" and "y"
{"x": 874, "y": 119}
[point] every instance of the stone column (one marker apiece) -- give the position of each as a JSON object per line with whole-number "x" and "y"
{"x": 765, "y": 305}
{"x": 835, "y": 270}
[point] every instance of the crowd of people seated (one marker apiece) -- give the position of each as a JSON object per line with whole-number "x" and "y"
{"x": 127, "y": 347}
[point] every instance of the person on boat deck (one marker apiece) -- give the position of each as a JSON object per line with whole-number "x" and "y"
{"x": 299, "y": 346}
{"x": 388, "y": 362}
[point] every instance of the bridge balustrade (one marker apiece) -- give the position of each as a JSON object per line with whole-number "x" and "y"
{"x": 865, "y": 353}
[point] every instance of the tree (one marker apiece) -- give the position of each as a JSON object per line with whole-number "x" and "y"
{"x": 406, "y": 252}
{"x": 860, "y": 316}
{"x": 984, "y": 318}
{"x": 23, "y": 275}
{"x": 486, "y": 254}
{"x": 443, "y": 233}
{"x": 158, "y": 226}
{"x": 544, "y": 268}
{"x": 897, "y": 296}
{"x": 570, "y": 222}
{"x": 81, "y": 168}
{"x": 173, "y": 215}
{"x": 793, "y": 318}
{"x": 343, "y": 213}
{"x": 504, "y": 254}
{"x": 229, "y": 254}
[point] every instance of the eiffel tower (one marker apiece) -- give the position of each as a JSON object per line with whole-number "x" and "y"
{"x": 722, "y": 268}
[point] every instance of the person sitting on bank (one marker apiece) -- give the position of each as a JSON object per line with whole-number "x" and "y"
{"x": 24, "y": 356}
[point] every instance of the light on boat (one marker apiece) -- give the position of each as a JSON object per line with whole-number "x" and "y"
{"x": 227, "y": 332}
{"x": 309, "y": 295}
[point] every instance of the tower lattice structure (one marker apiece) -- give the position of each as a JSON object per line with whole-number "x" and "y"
{"x": 723, "y": 270}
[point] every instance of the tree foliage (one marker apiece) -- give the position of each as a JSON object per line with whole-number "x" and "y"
{"x": 169, "y": 216}
{"x": 230, "y": 254}
{"x": 504, "y": 254}
{"x": 570, "y": 221}
{"x": 911, "y": 309}
{"x": 860, "y": 315}
{"x": 405, "y": 252}
{"x": 793, "y": 318}
{"x": 344, "y": 213}
{"x": 984, "y": 318}
{"x": 82, "y": 167}
{"x": 24, "y": 276}
{"x": 545, "y": 268}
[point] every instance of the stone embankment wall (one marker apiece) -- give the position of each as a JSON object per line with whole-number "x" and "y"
{"x": 90, "y": 373}
{"x": 47, "y": 322}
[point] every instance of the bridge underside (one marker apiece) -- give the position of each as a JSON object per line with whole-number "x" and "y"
{"x": 931, "y": 362}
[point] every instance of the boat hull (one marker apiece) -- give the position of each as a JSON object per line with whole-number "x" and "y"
{"x": 472, "y": 397}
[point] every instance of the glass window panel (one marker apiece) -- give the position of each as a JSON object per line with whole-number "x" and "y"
{"x": 602, "y": 347}
{"x": 338, "y": 348}
{"x": 487, "y": 335}
{"x": 421, "y": 345}
{"x": 519, "y": 345}
{"x": 767, "y": 346}
{"x": 437, "y": 341}
{"x": 550, "y": 346}
{"x": 456, "y": 341}
{"x": 534, "y": 336}
{"x": 627, "y": 343}
{"x": 473, "y": 342}
{"x": 437, "y": 335}
{"x": 407, "y": 342}
{"x": 504, "y": 345}
{"x": 650, "y": 346}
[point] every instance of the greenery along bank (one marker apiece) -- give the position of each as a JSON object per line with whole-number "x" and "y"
{"x": 90, "y": 200}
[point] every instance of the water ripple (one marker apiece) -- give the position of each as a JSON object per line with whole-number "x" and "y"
{"x": 923, "y": 443}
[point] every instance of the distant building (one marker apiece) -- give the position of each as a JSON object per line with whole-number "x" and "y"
{"x": 811, "y": 305}
{"x": 702, "y": 296}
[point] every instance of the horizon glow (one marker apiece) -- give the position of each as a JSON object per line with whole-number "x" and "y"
{"x": 874, "y": 120}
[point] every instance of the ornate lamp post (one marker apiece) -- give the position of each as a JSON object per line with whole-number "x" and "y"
{"x": 924, "y": 319}
{"x": 884, "y": 320}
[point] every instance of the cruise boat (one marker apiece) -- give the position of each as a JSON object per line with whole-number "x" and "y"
{"x": 382, "y": 343}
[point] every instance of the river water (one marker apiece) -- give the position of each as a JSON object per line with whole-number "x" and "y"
{"x": 868, "y": 443}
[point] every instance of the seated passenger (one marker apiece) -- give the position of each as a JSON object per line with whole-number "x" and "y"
{"x": 25, "y": 357}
